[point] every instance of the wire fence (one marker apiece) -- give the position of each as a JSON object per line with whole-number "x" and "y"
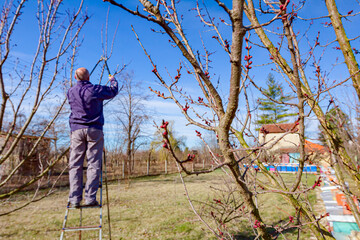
{"x": 118, "y": 168}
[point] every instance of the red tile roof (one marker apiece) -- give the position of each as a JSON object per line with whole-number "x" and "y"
{"x": 314, "y": 147}
{"x": 279, "y": 128}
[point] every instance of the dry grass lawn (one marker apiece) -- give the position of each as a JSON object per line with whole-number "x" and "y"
{"x": 145, "y": 208}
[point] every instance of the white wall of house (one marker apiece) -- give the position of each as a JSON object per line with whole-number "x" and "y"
{"x": 288, "y": 140}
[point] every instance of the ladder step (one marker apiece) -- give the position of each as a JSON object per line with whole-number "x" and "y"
{"x": 84, "y": 206}
{"x": 83, "y": 228}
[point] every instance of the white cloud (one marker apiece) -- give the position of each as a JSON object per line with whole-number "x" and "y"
{"x": 160, "y": 110}
{"x": 312, "y": 129}
{"x": 169, "y": 111}
{"x": 163, "y": 107}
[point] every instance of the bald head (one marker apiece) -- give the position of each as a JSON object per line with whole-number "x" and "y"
{"x": 82, "y": 74}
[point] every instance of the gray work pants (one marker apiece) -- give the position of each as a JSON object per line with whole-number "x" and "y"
{"x": 89, "y": 142}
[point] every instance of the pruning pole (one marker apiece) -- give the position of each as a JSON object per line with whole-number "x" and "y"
{"x": 107, "y": 195}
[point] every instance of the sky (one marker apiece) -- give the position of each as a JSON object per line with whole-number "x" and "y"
{"x": 126, "y": 50}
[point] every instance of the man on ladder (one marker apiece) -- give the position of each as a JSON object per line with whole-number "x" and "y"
{"x": 87, "y": 138}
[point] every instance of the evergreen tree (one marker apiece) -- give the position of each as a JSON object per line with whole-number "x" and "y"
{"x": 273, "y": 112}
{"x": 337, "y": 121}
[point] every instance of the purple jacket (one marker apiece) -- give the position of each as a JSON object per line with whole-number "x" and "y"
{"x": 86, "y": 103}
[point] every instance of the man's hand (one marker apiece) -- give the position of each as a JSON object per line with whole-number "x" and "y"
{"x": 111, "y": 78}
{"x": 113, "y": 83}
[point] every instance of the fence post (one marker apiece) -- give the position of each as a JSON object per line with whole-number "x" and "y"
{"x": 147, "y": 167}
{"x": 123, "y": 168}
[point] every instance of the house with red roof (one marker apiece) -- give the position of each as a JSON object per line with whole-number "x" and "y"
{"x": 284, "y": 140}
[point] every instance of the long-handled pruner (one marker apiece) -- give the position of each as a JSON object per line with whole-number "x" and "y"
{"x": 108, "y": 70}
{"x": 107, "y": 192}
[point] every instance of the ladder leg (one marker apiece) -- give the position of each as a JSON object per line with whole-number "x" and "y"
{"x": 101, "y": 197}
{"x": 65, "y": 220}
{"x": 80, "y": 223}
{"x": 81, "y": 228}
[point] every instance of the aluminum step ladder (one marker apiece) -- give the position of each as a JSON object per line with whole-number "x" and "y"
{"x": 98, "y": 227}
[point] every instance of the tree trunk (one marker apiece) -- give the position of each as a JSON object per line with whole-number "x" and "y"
{"x": 123, "y": 167}
{"x": 148, "y": 164}
{"x": 344, "y": 44}
{"x": 132, "y": 156}
{"x": 247, "y": 195}
{"x": 148, "y": 167}
{"x": 128, "y": 157}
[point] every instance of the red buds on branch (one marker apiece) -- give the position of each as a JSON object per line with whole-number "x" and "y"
{"x": 317, "y": 183}
{"x": 177, "y": 77}
{"x": 190, "y": 157}
{"x": 164, "y": 124}
{"x": 257, "y": 224}
{"x": 186, "y": 107}
{"x": 158, "y": 93}
{"x": 248, "y": 56}
{"x": 165, "y": 134}
{"x": 226, "y": 44}
{"x": 154, "y": 70}
{"x": 207, "y": 74}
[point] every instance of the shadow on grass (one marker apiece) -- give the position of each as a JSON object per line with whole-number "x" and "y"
{"x": 243, "y": 236}
{"x": 272, "y": 231}
{"x": 171, "y": 177}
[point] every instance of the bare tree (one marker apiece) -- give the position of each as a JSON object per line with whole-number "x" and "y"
{"x": 340, "y": 149}
{"x": 292, "y": 63}
{"x": 286, "y": 55}
{"x": 132, "y": 115}
{"x": 51, "y": 63}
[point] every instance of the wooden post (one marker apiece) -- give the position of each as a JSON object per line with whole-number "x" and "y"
{"x": 166, "y": 163}
{"x": 123, "y": 168}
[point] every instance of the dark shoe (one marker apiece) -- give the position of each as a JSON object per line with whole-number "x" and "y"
{"x": 74, "y": 205}
{"x": 91, "y": 204}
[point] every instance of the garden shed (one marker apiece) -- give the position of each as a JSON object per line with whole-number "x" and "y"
{"x": 33, "y": 163}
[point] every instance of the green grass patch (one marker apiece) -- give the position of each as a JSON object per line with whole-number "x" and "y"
{"x": 145, "y": 208}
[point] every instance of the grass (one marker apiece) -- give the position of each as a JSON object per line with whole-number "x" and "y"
{"x": 145, "y": 208}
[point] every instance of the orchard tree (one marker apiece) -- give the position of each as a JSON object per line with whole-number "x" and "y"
{"x": 30, "y": 87}
{"x": 291, "y": 58}
{"x": 132, "y": 116}
{"x": 299, "y": 62}
{"x": 273, "y": 108}
{"x": 27, "y": 89}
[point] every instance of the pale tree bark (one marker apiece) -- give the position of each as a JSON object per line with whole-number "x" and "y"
{"x": 5, "y": 35}
{"x": 38, "y": 87}
{"x": 225, "y": 117}
{"x": 299, "y": 79}
{"x": 354, "y": 71}
{"x": 344, "y": 44}
{"x": 131, "y": 116}
{"x": 224, "y": 110}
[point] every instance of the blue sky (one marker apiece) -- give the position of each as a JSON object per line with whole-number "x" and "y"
{"x": 128, "y": 51}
